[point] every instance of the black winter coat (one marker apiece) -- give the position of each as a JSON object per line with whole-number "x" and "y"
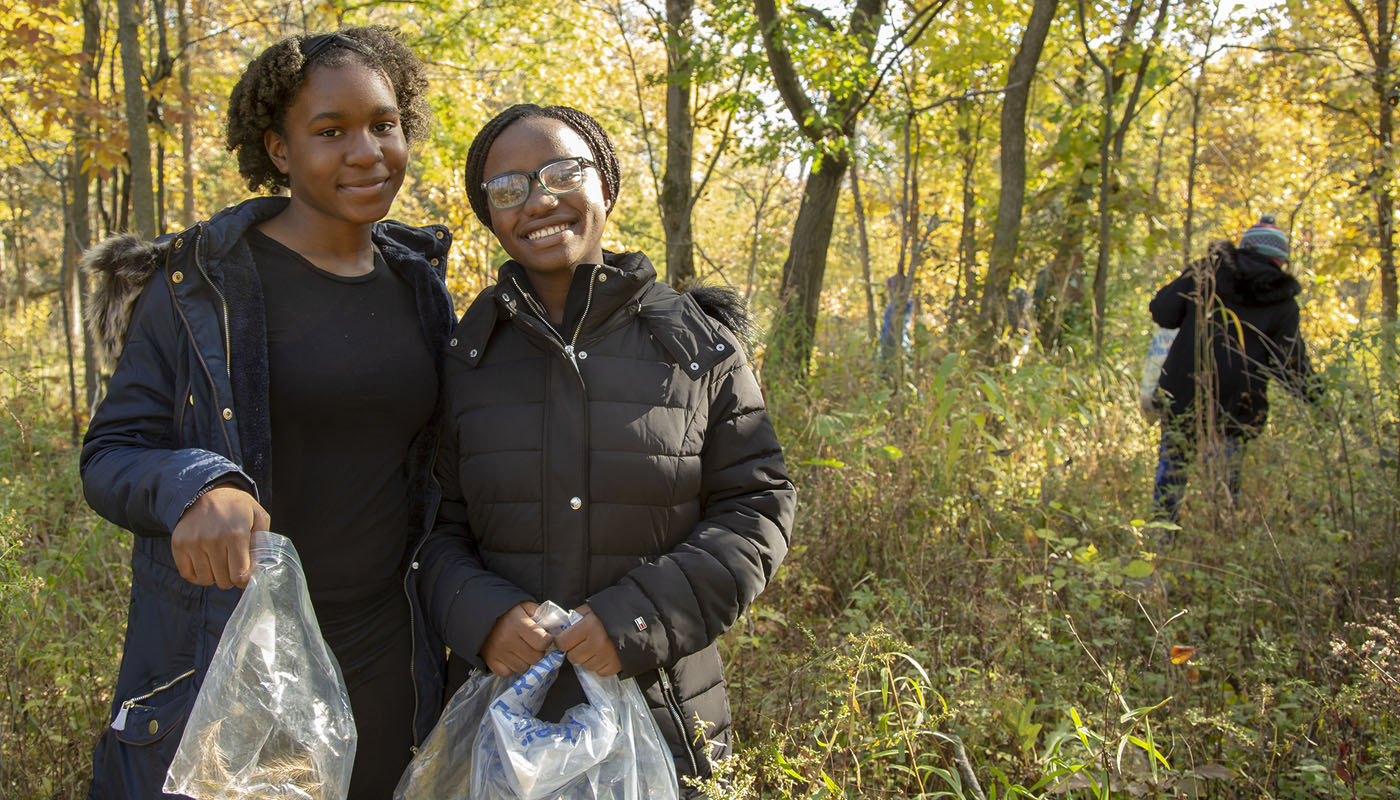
{"x": 633, "y": 468}
{"x": 1253, "y": 334}
{"x": 187, "y": 406}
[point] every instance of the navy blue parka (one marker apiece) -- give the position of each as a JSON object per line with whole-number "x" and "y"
{"x": 187, "y": 408}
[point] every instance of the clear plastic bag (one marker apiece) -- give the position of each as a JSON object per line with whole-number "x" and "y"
{"x": 443, "y": 766}
{"x": 608, "y": 747}
{"x": 272, "y": 719}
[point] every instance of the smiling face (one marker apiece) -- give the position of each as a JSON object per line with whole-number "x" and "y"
{"x": 548, "y": 234}
{"x": 342, "y": 146}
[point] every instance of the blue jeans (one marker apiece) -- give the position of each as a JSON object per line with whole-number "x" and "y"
{"x": 1174, "y": 455}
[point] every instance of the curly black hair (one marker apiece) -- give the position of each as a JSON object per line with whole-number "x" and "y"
{"x": 268, "y": 86}
{"x": 582, "y": 124}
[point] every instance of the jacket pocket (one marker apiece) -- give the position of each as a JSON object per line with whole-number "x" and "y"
{"x": 146, "y": 718}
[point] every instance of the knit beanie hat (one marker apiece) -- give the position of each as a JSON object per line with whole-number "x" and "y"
{"x": 1265, "y": 238}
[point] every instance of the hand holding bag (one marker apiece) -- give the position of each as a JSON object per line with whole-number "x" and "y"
{"x": 272, "y": 719}
{"x": 608, "y": 747}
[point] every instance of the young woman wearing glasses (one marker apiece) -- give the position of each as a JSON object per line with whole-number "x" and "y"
{"x": 605, "y": 447}
{"x": 279, "y": 368}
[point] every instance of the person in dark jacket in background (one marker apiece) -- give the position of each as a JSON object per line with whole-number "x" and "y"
{"x": 279, "y": 369}
{"x": 606, "y": 447}
{"x": 1250, "y": 334}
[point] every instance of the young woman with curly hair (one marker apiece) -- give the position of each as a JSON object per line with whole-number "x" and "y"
{"x": 278, "y": 369}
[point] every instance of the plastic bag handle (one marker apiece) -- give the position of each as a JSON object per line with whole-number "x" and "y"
{"x": 269, "y": 549}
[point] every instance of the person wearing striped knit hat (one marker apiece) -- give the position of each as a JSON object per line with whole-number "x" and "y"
{"x": 1253, "y": 334}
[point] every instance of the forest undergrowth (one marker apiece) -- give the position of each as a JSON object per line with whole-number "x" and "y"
{"x": 973, "y": 605}
{"x": 972, "y": 573}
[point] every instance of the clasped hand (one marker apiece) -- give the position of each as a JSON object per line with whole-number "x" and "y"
{"x": 210, "y": 542}
{"x": 516, "y": 642}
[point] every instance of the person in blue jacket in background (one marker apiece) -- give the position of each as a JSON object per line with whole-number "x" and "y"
{"x": 279, "y": 369}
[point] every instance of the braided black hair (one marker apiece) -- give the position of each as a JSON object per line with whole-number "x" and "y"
{"x": 267, "y": 87}
{"x": 582, "y": 124}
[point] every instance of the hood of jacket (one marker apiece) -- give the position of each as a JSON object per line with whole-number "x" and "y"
{"x": 1247, "y": 278}
{"x": 689, "y": 324}
{"x": 121, "y": 265}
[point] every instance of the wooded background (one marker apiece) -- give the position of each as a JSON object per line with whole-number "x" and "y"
{"x": 1062, "y": 148}
{"x": 1029, "y": 172}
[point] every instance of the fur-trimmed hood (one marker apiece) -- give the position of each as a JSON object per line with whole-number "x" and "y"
{"x": 1248, "y": 278}
{"x": 724, "y": 305}
{"x": 122, "y": 265}
{"x": 119, "y": 266}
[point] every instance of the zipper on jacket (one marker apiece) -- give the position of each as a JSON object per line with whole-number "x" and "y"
{"x": 543, "y": 314}
{"x": 587, "y": 304}
{"x": 413, "y": 559}
{"x": 119, "y": 724}
{"x": 203, "y": 363}
{"x": 412, "y": 633}
{"x": 539, "y": 310}
{"x": 673, "y": 704}
{"x": 223, "y": 306}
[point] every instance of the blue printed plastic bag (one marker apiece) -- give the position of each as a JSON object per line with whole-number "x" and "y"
{"x": 608, "y": 747}
{"x": 1161, "y": 343}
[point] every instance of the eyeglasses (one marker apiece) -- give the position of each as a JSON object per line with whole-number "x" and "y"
{"x": 510, "y": 189}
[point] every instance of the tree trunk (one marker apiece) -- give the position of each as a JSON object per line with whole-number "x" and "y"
{"x": 165, "y": 66}
{"x": 186, "y": 119}
{"x": 143, "y": 217}
{"x": 968, "y": 138}
{"x": 161, "y": 224}
{"x": 121, "y": 199}
{"x": 758, "y": 197}
{"x": 71, "y": 302}
{"x": 1101, "y": 264}
{"x": 795, "y": 324}
{"x": 1385, "y": 201}
{"x": 82, "y": 196}
{"x": 795, "y": 320}
{"x": 872, "y": 323}
{"x": 1193, "y": 162}
{"x": 4, "y": 259}
{"x": 1188, "y": 225}
{"x": 1055, "y": 285}
{"x": 1112, "y": 136}
{"x": 1006, "y": 235}
{"x": 676, "y": 183}
{"x": 75, "y": 240}
{"x": 17, "y": 253}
